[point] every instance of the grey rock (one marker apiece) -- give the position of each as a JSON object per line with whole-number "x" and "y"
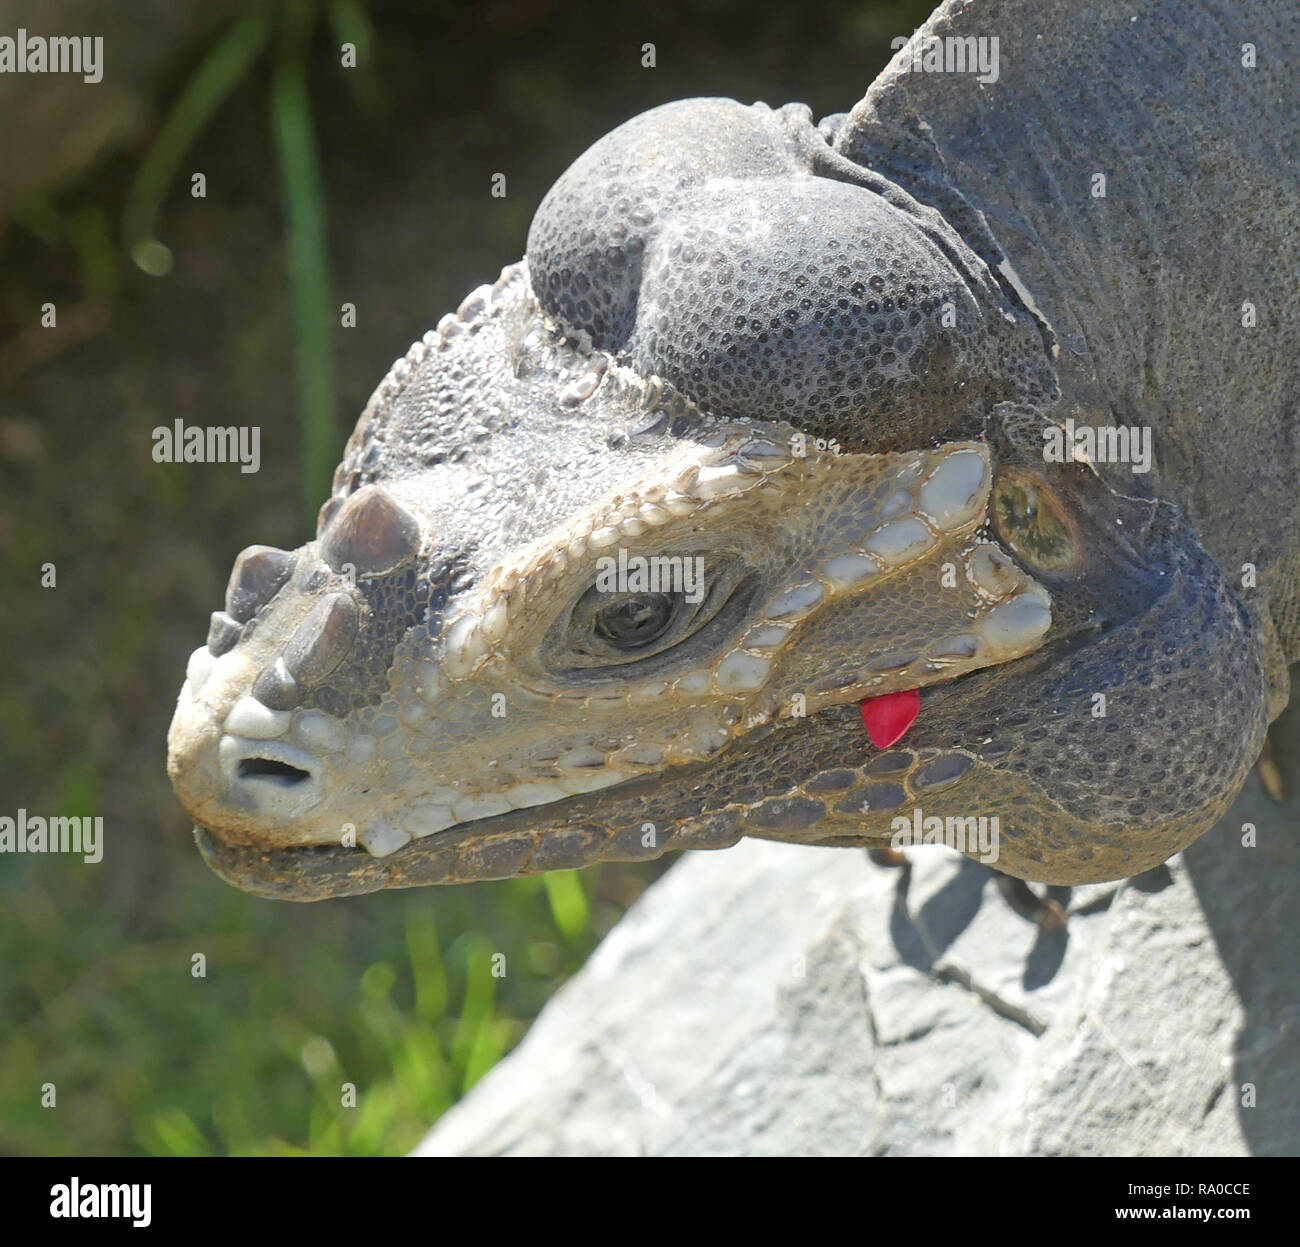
{"x": 780, "y": 1000}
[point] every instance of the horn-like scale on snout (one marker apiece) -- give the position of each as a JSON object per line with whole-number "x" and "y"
{"x": 370, "y": 534}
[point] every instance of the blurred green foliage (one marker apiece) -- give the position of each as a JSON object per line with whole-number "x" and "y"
{"x": 382, "y": 200}
{"x": 408, "y": 1002}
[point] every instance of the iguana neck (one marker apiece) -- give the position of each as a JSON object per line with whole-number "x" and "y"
{"x": 1143, "y": 278}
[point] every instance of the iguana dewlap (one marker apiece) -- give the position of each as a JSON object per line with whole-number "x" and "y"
{"x": 762, "y": 428}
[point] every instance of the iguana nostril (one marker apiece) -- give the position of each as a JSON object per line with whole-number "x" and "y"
{"x": 323, "y": 639}
{"x": 258, "y": 575}
{"x": 276, "y": 688}
{"x": 370, "y": 532}
{"x": 279, "y": 773}
{"x": 223, "y": 633}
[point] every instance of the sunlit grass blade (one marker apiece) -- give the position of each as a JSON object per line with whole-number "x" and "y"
{"x": 304, "y": 212}
{"x": 477, "y": 1010}
{"x": 568, "y": 902}
{"x": 351, "y": 24}
{"x": 426, "y": 966}
{"x": 214, "y": 79}
{"x": 172, "y": 1132}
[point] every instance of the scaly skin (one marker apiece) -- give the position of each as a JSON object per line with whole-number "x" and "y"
{"x": 820, "y": 361}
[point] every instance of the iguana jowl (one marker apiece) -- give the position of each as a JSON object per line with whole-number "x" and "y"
{"x": 815, "y": 363}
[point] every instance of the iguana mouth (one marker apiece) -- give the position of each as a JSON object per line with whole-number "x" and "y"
{"x": 564, "y": 834}
{"x": 524, "y": 841}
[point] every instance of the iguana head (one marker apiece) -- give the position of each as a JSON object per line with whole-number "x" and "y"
{"x": 615, "y": 552}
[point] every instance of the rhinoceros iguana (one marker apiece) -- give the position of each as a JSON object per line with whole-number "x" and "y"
{"x": 986, "y": 388}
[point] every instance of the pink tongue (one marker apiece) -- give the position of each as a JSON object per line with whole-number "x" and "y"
{"x": 887, "y": 718}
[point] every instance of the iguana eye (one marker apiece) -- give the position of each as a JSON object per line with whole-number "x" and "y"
{"x": 636, "y": 620}
{"x": 1029, "y": 519}
{"x": 660, "y": 626}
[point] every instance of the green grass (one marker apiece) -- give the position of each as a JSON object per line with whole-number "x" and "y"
{"x": 344, "y": 1029}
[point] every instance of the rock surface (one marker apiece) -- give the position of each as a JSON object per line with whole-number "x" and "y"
{"x": 772, "y": 999}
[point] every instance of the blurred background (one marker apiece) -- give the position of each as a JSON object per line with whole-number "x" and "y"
{"x": 323, "y": 184}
